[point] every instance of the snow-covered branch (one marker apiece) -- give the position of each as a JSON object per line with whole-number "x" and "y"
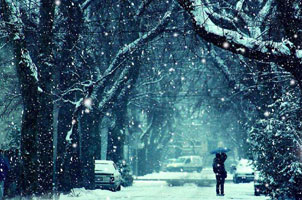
{"x": 15, "y": 27}
{"x": 127, "y": 50}
{"x": 151, "y": 82}
{"x": 77, "y": 108}
{"x": 142, "y": 7}
{"x": 96, "y": 90}
{"x": 234, "y": 41}
{"x": 86, "y": 4}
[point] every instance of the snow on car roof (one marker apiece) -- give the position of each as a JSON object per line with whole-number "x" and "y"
{"x": 245, "y": 166}
{"x": 245, "y": 161}
{"x": 103, "y": 161}
{"x": 105, "y": 166}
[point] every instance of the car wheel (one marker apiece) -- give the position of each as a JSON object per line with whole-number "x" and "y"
{"x": 257, "y": 193}
{"x": 119, "y": 188}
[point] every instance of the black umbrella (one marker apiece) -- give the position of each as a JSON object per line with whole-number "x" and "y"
{"x": 220, "y": 150}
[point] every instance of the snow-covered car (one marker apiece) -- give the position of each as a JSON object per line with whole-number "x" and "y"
{"x": 260, "y": 187}
{"x": 107, "y": 175}
{"x": 244, "y": 172}
{"x": 186, "y": 163}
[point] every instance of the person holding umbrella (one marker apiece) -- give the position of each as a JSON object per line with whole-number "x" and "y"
{"x": 219, "y": 170}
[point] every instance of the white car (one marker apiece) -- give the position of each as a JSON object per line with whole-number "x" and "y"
{"x": 186, "y": 163}
{"x": 107, "y": 175}
{"x": 244, "y": 172}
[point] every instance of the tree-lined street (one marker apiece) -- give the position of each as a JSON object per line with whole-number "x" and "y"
{"x": 153, "y": 87}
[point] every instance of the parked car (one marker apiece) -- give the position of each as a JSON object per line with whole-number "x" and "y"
{"x": 260, "y": 187}
{"x": 244, "y": 172}
{"x": 107, "y": 175}
{"x": 186, "y": 163}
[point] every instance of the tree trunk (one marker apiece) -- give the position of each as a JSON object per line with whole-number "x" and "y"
{"x": 28, "y": 80}
{"x": 116, "y": 135}
{"x": 90, "y": 141}
{"x": 45, "y": 100}
{"x": 142, "y": 162}
{"x": 63, "y": 148}
{"x": 153, "y": 158}
{"x": 68, "y": 154}
{"x": 28, "y": 131}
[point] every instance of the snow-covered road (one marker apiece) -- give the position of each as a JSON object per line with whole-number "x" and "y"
{"x": 205, "y": 174}
{"x": 157, "y": 190}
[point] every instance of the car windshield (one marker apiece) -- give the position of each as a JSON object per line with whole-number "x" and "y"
{"x": 169, "y": 161}
{"x": 105, "y": 167}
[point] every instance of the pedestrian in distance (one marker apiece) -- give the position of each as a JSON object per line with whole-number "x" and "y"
{"x": 4, "y": 167}
{"x": 220, "y": 172}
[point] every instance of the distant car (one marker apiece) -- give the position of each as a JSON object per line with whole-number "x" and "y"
{"x": 186, "y": 164}
{"x": 107, "y": 175}
{"x": 244, "y": 172}
{"x": 260, "y": 186}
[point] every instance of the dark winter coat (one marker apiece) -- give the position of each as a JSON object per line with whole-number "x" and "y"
{"x": 4, "y": 167}
{"x": 218, "y": 167}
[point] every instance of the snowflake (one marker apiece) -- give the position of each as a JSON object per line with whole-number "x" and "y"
{"x": 226, "y": 45}
{"x": 58, "y": 2}
{"x": 266, "y": 113}
{"x": 88, "y": 102}
{"x": 292, "y": 82}
{"x": 171, "y": 70}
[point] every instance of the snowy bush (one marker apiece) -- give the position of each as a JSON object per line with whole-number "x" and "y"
{"x": 276, "y": 145}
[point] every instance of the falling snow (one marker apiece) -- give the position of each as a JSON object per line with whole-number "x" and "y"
{"x": 157, "y": 87}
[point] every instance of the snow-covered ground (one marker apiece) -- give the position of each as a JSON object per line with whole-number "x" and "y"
{"x": 157, "y": 190}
